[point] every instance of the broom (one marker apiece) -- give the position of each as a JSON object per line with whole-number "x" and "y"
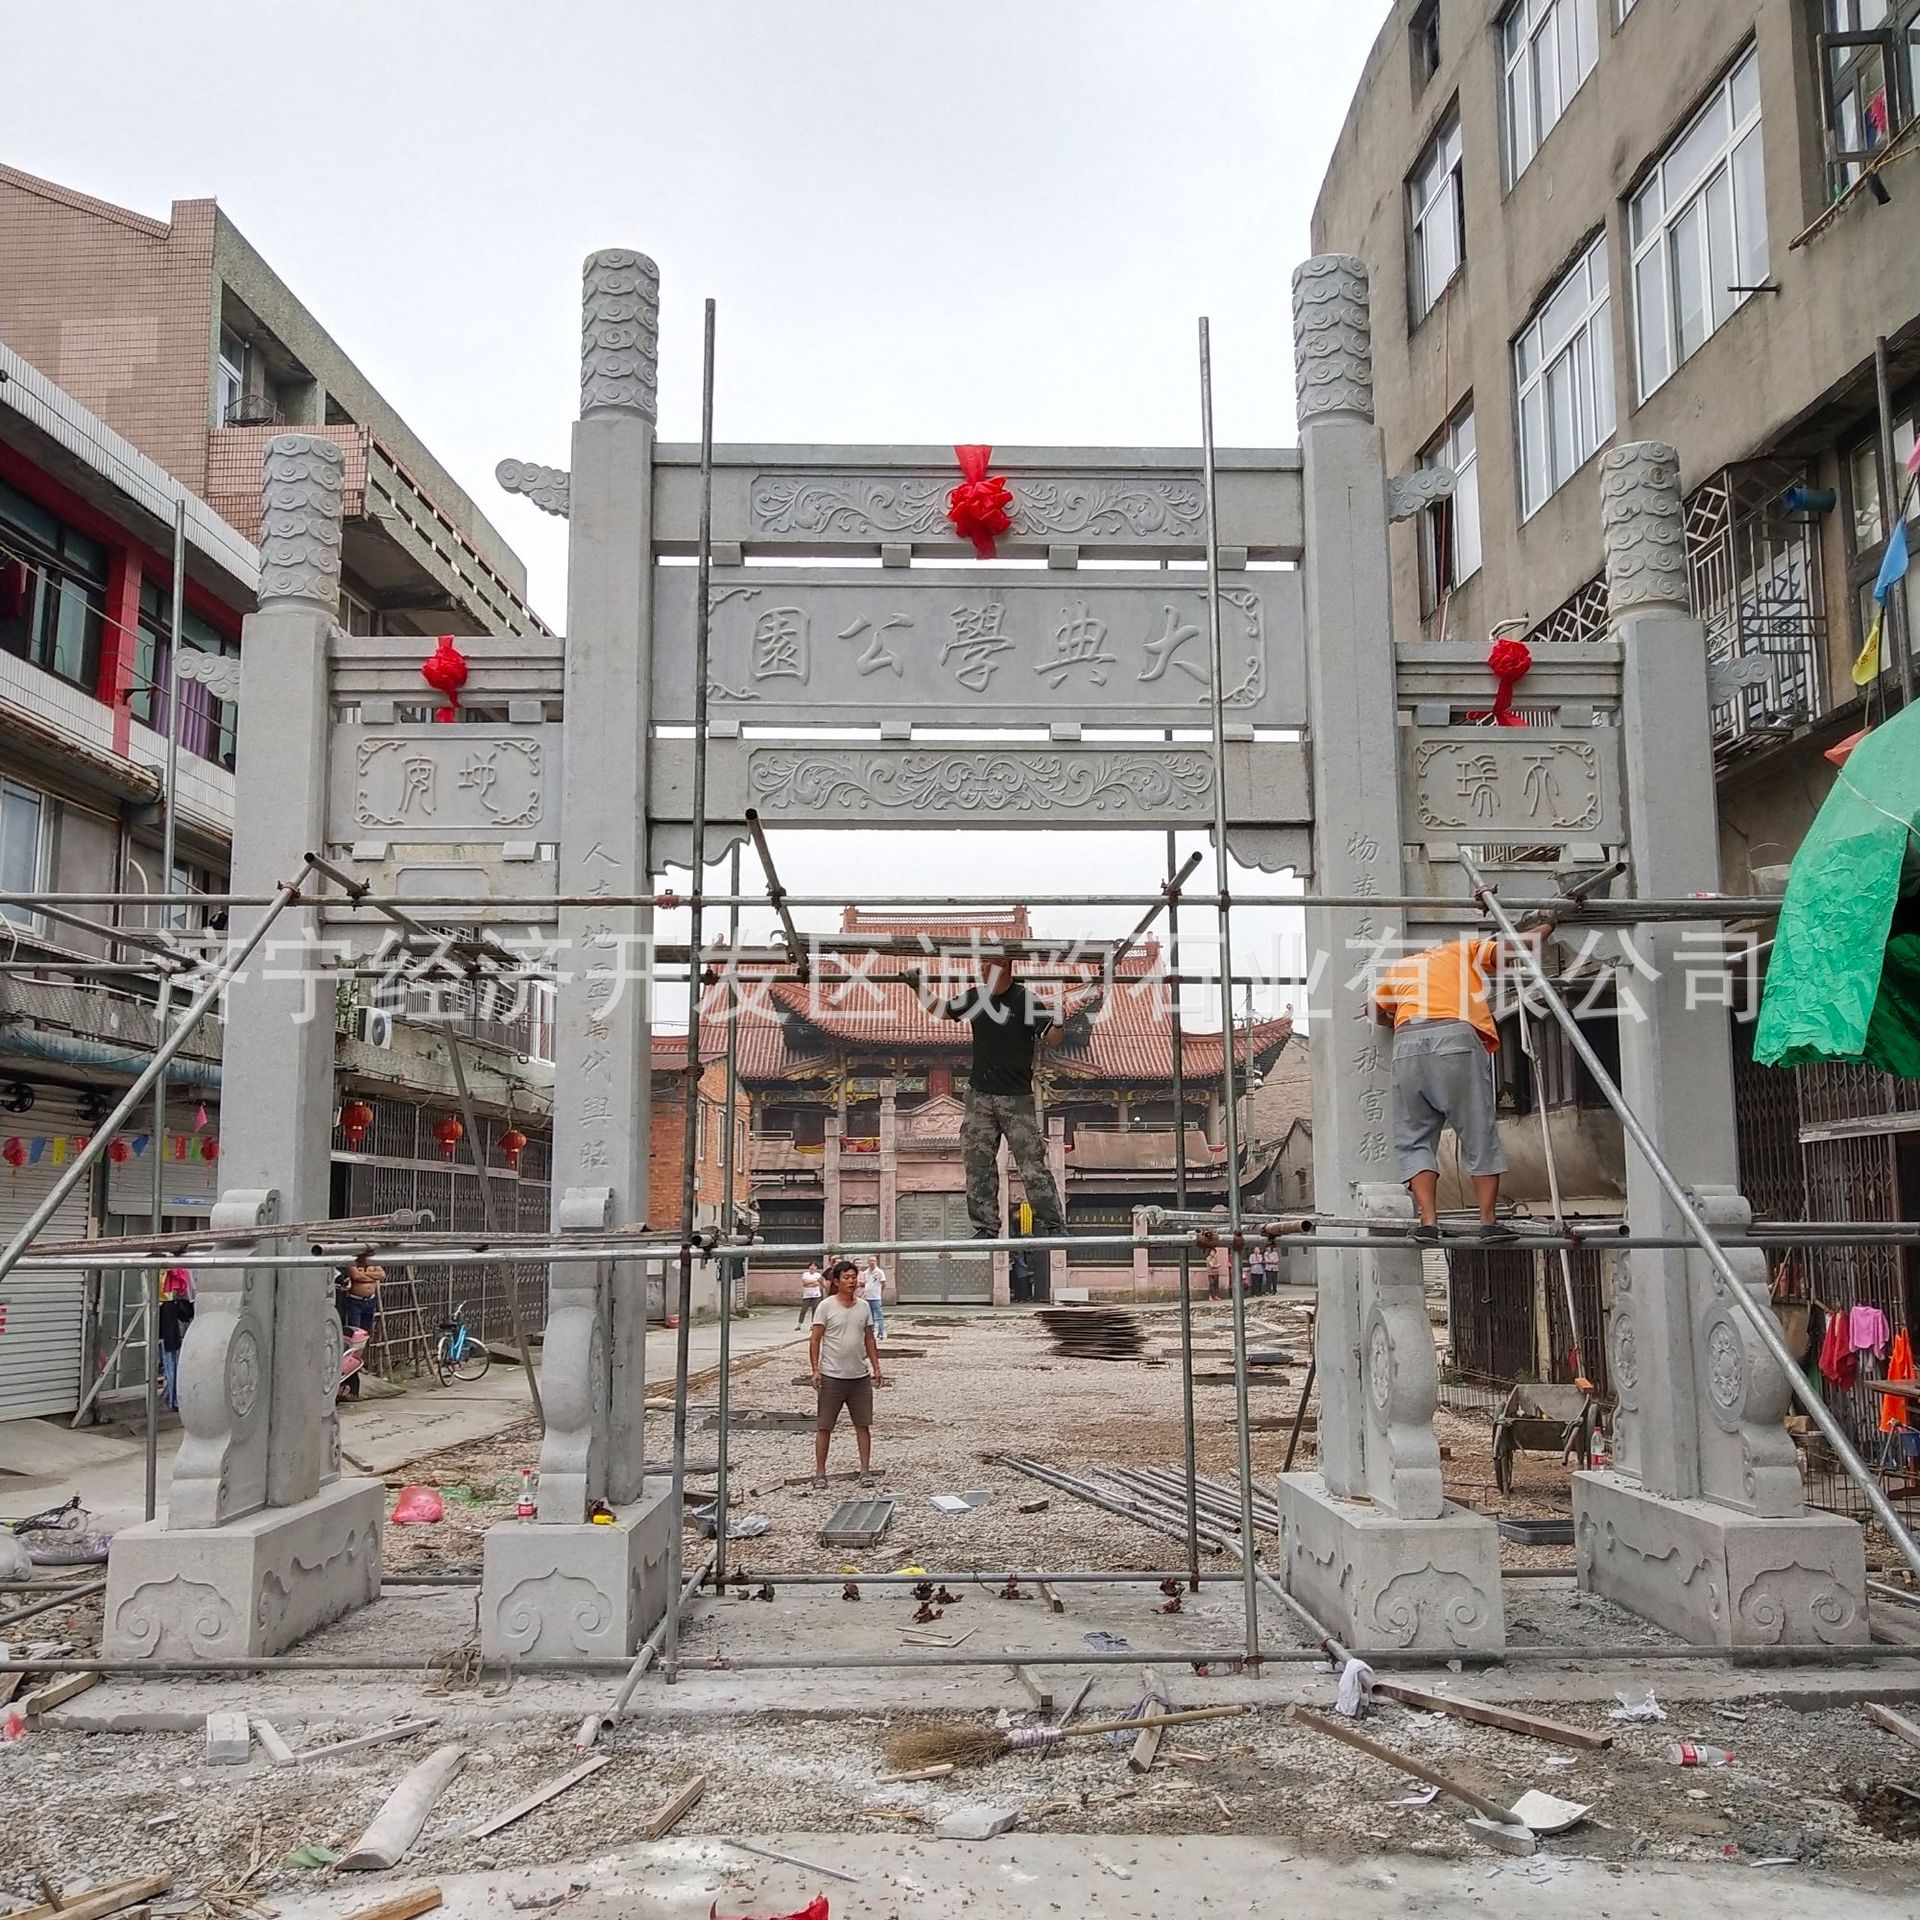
{"x": 917, "y": 1747}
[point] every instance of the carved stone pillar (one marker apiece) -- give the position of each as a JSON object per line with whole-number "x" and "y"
{"x": 563, "y": 1588}
{"x": 261, "y": 1540}
{"x": 1700, "y": 1524}
{"x": 1369, "y": 1542}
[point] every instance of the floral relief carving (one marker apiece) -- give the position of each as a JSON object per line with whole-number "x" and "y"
{"x": 984, "y": 782}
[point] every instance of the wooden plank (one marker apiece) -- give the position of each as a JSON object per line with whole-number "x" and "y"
{"x": 403, "y": 1906}
{"x": 1038, "y": 1690}
{"x": 1481, "y": 1713}
{"x": 56, "y": 1691}
{"x": 269, "y": 1737}
{"x": 1405, "y": 1763}
{"x": 1896, "y": 1723}
{"x": 1146, "y": 1749}
{"x": 402, "y": 1730}
{"x": 1078, "y": 1701}
{"x": 938, "y": 1772}
{"x": 663, "y": 1822}
{"x": 1054, "y": 1603}
{"x": 95, "y": 1905}
{"x": 537, "y": 1798}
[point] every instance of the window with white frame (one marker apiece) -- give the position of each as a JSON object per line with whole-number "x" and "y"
{"x": 1436, "y": 214}
{"x": 23, "y": 843}
{"x": 1549, "y": 47}
{"x": 1621, "y": 8}
{"x": 1698, "y": 228}
{"x": 1563, "y": 379}
{"x": 1450, "y": 528}
{"x": 230, "y": 377}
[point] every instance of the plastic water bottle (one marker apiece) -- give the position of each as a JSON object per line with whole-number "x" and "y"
{"x": 1683, "y": 1753}
{"x": 524, "y": 1507}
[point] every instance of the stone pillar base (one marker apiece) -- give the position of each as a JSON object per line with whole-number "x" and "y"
{"x": 1378, "y": 1581}
{"x": 251, "y": 1587}
{"x": 551, "y": 1595}
{"x": 1718, "y": 1577}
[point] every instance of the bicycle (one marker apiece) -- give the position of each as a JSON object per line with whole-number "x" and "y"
{"x": 458, "y": 1355}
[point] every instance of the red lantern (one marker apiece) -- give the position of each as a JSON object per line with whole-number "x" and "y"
{"x": 119, "y": 1152}
{"x": 449, "y": 1132}
{"x": 513, "y": 1143}
{"x": 445, "y": 671}
{"x": 14, "y": 1153}
{"x": 209, "y": 1150}
{"x": 355, "y": 1118}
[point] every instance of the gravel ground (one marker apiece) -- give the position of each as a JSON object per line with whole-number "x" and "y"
{"x": 109, "y": 1805}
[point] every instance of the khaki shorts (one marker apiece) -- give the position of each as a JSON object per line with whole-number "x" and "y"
{"x": 855, "y": 1395}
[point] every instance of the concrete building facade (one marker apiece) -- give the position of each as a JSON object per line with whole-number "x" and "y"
{"x": 1590, "y": 222}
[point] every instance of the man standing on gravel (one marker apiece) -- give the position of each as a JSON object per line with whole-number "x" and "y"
{"x": 845, "y": 1362}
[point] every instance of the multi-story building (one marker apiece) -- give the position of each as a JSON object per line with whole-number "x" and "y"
{"x": 857, "y": 1092}
{"x": 1595, "y": 221}
{"x": 143, "y": 318}
{"x": 183, "y": 339}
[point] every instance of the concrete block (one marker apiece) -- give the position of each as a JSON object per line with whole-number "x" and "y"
{"x": 1379, "y": 1581}
{"x": 551, "y": 1594}
{"x": 229, "y": 1740}
{"x": 1720, "y": 1578}
{"x": 252, "y": 1586}
{"x": 978, "y": 1822}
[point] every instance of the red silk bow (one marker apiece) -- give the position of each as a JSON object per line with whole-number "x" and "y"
{"x": 978, "y": 506}
{"x": 1509, "y": 661}
{"x": 445, "y": 671}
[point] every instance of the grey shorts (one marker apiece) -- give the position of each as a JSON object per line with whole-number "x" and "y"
{"x": 1441, "y": 1078}
{"x": 855, "y": 1395}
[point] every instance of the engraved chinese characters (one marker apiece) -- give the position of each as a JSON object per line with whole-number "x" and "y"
{"x": 935, "y": 647}
{"x": 1534, "y": 784}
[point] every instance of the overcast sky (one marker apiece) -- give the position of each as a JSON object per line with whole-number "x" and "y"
{"x": 922, "y": 222}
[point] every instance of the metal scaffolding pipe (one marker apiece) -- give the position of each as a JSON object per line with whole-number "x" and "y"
{"x": 690, "y": 1111}
{"x": 1714, "y": 906}
{"x": 1760, "y": 1318}
{"x": 80, "y": 1164}
{"x": 1177, "y": 1026}
{"x": 729, "y": 1226}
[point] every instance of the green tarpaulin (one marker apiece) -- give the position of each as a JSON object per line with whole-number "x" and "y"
{"x": 1843, "y": 983}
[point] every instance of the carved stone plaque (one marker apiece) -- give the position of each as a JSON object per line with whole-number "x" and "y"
{"x": 1534, "y": 784}
{"x": 948, "y": 647}
{"x": 468, "y": 783}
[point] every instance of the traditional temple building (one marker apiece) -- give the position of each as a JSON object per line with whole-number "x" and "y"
{"x": 856, "y": 1094}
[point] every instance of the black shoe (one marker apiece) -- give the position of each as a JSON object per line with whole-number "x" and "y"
{"x": 1426, "y": 1236}
{"x": 1493, "y": 1233}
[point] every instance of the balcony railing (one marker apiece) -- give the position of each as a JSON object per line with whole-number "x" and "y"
{"x": 1755, "y": 568}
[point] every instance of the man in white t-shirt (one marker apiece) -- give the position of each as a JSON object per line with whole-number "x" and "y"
{"x": 873, "y": 1290}
{"x": 845, "y": 1361}
{"x": 812, "y": 1287}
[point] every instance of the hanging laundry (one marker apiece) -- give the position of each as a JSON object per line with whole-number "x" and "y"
{"x": 1817, "y": 1323}
{"x": 1893, "y": 1406}
{"x": 1868, "y": 1331}
{"x": 1838, "y": 1361}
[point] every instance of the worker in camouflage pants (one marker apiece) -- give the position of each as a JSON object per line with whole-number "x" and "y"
{"x": 1008, "y": 1020}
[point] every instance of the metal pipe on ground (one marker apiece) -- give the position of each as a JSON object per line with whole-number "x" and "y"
{"x": 595, "y": 1724}
{"x": 1114, "y": 1503}
{"x": 67, "y": 1597}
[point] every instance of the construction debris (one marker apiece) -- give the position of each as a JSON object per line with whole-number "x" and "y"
{"x": 229, "y": 1740}
{"x": 1094, "y": 1333}
{"x": 101, "y": 1902}
{"x": 1507, "y": 1718}
{"x": 397, "y": 1825}
{"x": 665, "y": 1818}
{"x": 539, "y": 1797}
{"x": 403, "y": 1906}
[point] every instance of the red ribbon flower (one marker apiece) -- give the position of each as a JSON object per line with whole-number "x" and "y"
{"x": 445, "y": 671}
{"x": 979, "y": 506}
{"x": 1509, "y": 661}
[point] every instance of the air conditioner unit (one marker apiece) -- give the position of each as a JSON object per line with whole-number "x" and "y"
{"x": 373, "y": 1026}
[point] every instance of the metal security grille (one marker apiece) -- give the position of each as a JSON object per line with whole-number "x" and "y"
{"x": 1755, "y": 572}
{"x": 1582, "y": 615}
{"x": 1490, "y": 1323}
{"x": 401, "y": 1166}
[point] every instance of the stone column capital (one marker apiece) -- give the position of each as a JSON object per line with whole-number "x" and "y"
{"x": 1644, "y": 527}
{"x": 1332, "y": 339}
{"x": 302, "y": 484}
{"x": 619, "y": 334}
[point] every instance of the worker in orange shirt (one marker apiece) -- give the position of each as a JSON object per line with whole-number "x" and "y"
{"x": 1443, "y": 1037}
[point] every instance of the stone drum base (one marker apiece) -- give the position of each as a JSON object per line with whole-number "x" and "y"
{"x": 551, "y": 1595}
{"x": 1376, "y": 1581}
{"x": 1717, "y": 1577}
{"x": 251, "y": 1587}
